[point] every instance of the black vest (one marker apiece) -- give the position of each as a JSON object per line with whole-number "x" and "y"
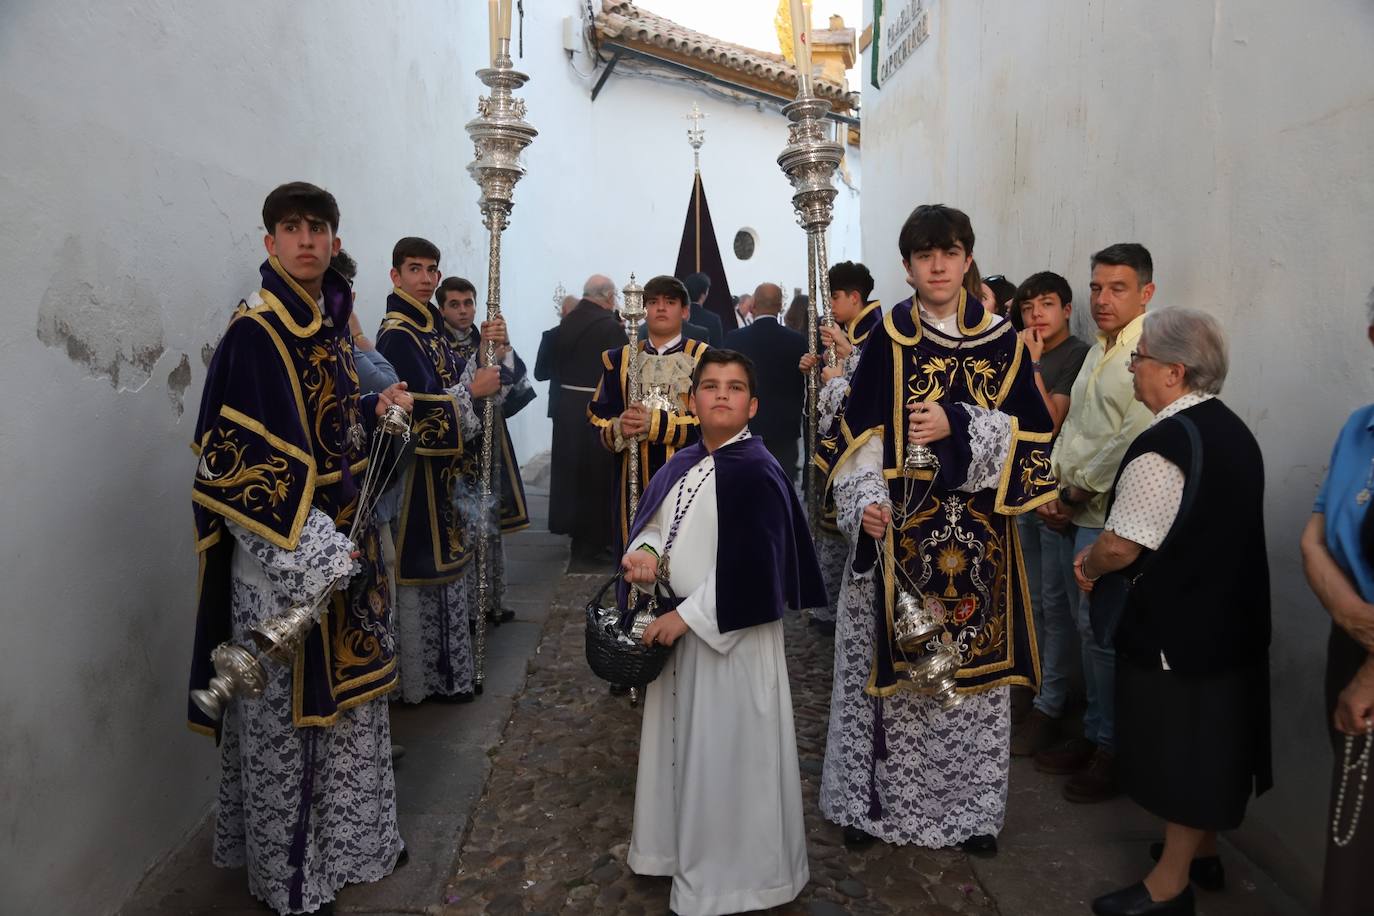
{"x": 1203, "y": 599}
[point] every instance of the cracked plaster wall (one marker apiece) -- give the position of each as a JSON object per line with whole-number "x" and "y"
{"x": 139, "y": 141}
{"x": 1232, "y": 138}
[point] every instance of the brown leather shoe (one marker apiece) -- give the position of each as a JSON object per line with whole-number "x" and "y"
{"x": 1033, "y": 735}
{"x": 1096, "y": 783}
{"x": 1065, "y": 758}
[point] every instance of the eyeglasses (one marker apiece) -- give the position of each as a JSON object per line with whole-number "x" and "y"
{"x": 1137, "y": 356}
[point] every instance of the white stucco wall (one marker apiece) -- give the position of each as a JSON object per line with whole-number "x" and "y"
{"x": 609, "y": 182}
{"x": 1232, "y": 138}
{"x": 139, "y": 141}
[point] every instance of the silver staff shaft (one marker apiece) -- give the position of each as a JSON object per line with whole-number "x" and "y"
{"x": 813, "y": 396}
{"x": 487, "y": 530}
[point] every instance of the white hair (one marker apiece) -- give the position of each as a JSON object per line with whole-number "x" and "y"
{"x": 1192, "y": 338}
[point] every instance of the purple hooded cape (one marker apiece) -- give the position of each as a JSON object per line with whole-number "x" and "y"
{"x": 764, "y": 555}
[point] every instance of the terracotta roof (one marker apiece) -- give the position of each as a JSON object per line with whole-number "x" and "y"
{"x": 626, "y": 24}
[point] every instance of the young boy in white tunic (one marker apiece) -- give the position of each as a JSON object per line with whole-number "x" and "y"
{"x": 718, "y": 799}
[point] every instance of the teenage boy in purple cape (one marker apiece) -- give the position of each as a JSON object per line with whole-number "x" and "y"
{"x": 938, "y": 371}
{"x": 307, "y": 797}
{"x": 718, "y": 799}
{"x": 436, "y": 590}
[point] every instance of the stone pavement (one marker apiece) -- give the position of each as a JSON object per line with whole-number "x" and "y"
{"x": 551, "y": 832}
{"x": 522, "y": 802}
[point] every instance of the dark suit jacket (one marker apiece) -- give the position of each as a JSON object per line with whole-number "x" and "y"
{"x": 776, "y": 351}
{"x": 544, "y": 365}
{"x": 709, "y": 320}
{"x": 689, "y": 331}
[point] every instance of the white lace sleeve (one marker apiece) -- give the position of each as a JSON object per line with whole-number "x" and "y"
{"x": 989, "y": 439}
{"x": 831, "y": 397}
{"x": 852, "y": 362}
{"x": 859, "y": 484}
{"x": 320, "y": 560}
{"x": 467, "y": 415}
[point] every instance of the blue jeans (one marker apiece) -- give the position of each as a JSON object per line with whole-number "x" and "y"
{"x": 1099, "y": 664}
{"x": 1048, "y": 557}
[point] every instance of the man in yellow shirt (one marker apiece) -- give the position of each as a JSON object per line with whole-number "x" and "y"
{"x": 1104, "y": 417}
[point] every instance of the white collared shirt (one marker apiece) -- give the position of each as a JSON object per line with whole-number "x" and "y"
{"x": 649, "y": 344}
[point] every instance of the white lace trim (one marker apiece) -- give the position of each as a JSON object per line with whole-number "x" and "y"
{"x": 989, "y": 435}
{"x": 421, "y": 613}
{"x": 945, "y": 776}
{"x": 832, "y": 399}
{"x": 352, "y": 835}
{"x": 321, "y": 558}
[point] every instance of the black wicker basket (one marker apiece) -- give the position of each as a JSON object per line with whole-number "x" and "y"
{"x": 611, "y": 652}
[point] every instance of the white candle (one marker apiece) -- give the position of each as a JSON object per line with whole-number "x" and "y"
{"x": 801, "y": 53}
{"x": 505, "y": 18}
{"x": 493, "y": 24}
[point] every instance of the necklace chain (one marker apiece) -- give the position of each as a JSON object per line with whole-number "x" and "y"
{"x": 1348, "y": 766}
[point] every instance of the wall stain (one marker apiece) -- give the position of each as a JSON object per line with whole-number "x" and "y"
{"x": 207, "y": 352}
{"x": 178, "y": 380}
{"x": 112, "y": 330}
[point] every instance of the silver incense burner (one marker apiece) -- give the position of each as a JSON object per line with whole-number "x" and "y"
{"x": 931, "y": 671}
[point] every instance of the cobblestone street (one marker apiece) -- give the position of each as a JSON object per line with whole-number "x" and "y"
{"x": 552, "y": 828}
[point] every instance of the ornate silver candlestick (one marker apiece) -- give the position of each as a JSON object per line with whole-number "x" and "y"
{"x": 809, "y": 160}
{"x": 499, "y": 135}
{"x": 633, "y": 312}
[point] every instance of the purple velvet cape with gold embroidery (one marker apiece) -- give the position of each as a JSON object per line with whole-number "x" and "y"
{"x": 959, "y": 549}
{"x": 858, "y": 329}
{"x": 279, "y": 398}
{"x": 431, "y": 547}
{"x": 514, "y": 514}
{"x": 765, "y": 561}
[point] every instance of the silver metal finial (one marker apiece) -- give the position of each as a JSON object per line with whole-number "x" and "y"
{"x": 696, "y": 134}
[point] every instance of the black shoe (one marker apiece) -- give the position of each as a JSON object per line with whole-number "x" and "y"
{"x": 620, "y": 690}
{"x": 1206, "y": 871}
{"x": 397, "y": 752}
{"x": 477, "y": 689}
{"x": 464, "y": 696}
{"x": 326, "y": 909}
{"x": 855, "y": 838}
{"x": 402, "y": 860}
{"x": 980, "y": 844}
{"x": 1135, "y": 901}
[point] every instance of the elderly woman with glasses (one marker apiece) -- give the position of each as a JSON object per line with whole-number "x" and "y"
{"x": 1185, "y": 542}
